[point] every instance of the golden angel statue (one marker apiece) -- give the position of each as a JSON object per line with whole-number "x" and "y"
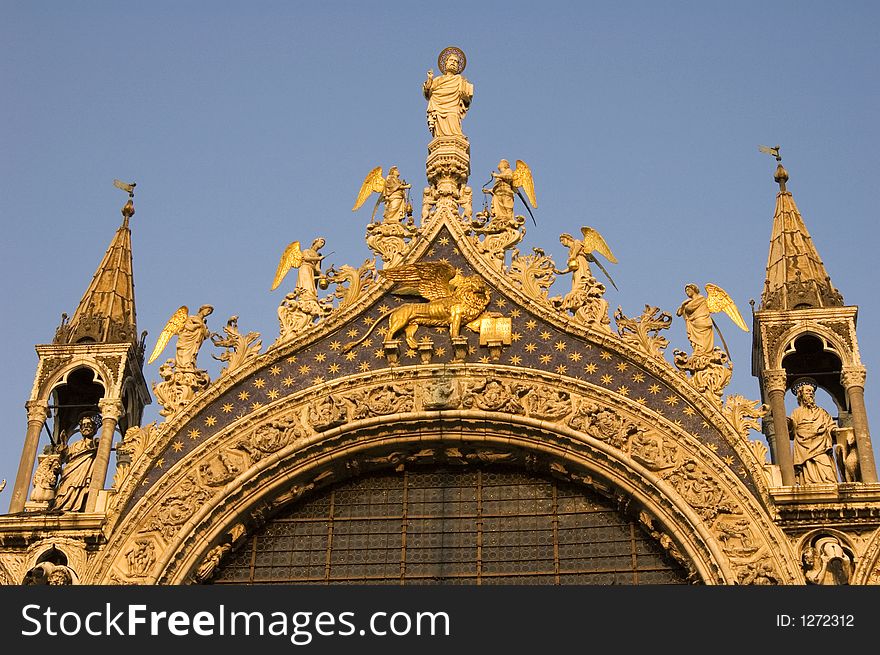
{"x": 308, "y": 264}
{"x": 580, "y": 255}
{"x": 449, "y": 95}
{"x": 453, "y": 300}
{"x": 191, "y": 331}
{"x": 507, "y": 183}
{"x": 392, "y": 191}
{"x": 697, "y": 312}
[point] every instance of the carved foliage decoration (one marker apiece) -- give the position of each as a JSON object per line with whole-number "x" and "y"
{"x": 240, "y": 349}
{"x": 493, "y": 395}
{"x": 744, "y": 414}
{"x": 533, "y": 274}
{"x": 136, "y": 441}
{"x": 177, "y": 508}
{"x": 643, "y": 332}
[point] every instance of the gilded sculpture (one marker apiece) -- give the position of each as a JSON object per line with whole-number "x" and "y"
{"x": 181, "y": 378}
{"x": 709, "y": 367}
{"x": 392, "y": 192}
{"x": 453, "y": 300}
{"x": 448, "y": 95}
{"x": 388, "y": 238}
{"x": 308, "y": 265}
{"x": 239, "y": 348}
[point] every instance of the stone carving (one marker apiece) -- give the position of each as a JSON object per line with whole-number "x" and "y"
{"x": 709, "y": 367}
{"x": 140, "y": 558}
{"x": 442, "y": 394}
{"x": 603, "y": 424}
{"x": 240, "y": 348}
{"x": 78, "y": 460}
{"x": 812, "y": 429}
{"x": 298, "y": 311}
{"x": 181, "y": 378}
{"x": 494, "y": 235}
{"x": 178, "y": 387}
{"x": 389, "y": 237}
{"x": 847, "y": 456}
{"x": 759, "y": 450}
{"x": 271, "y": 437}
{"x": 492, "y": 395}
{"x": 222, "y": 467}
{"x": 744, "y": 414}
{"x": 735, "y": 535}
{"x": 667, "y": 543}
{"x": 709, "y": 373}
{"x": 547, "y": 403}
{"x": 178, "y": 508}
{"x": 699, "y": 489}
{"x": 48, "y": 573}
{"x": 133, "y": 445}
{"x": 760, "y": 572}
{"x": 326, "y": 413}
{"x": 653, "y": 451}
{"x": 533, "y": 274}
{"x": 212, "y": 560}
{"x": 390, "y": 240}
{"x": 46, "y": 478}
{"x": 449, "y": 95}
{"x": 350, "y": 281}
{"x": 586, "y": 299}
{"x": 644, "y": 332}
{"x": 382, "y": 400}
{"x": 826, "y": 562}
{"x": 454, "y": 300}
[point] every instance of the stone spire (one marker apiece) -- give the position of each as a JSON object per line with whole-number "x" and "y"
{"x": 106, "y": 313}
{"x": 796, "y": 277}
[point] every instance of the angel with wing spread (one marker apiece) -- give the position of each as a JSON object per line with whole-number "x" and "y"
{"x": 697, "y": 312}
{"x": 191, "y": 331}
{"x": 181, "y": 380}
{"x": 453, "y": 300}
{"x": 580, "y": 254}
{"x": 507, "y": 183}
{"x": 392, "y": 191}
{"x": 308, "y": 265}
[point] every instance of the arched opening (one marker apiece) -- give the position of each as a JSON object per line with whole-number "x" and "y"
{"x": 452, "y": 525}
{"x": 810, "y": 356}
{"x": 76, "y": 397}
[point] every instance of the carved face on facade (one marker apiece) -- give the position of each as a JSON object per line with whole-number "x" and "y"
{"x": 566, "y": 240}
{"x": 453, "y": 65}
{"x": 205, "y": 310}
{"x": 807, "y": 395}
{"x": 503, "y": 165}
{"x": 87, "y": 426}
{"x": 318, "y": 243}
{"x": 691, "y": 290}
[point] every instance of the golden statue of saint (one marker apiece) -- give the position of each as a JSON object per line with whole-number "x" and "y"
{"x": 449, "y": 95}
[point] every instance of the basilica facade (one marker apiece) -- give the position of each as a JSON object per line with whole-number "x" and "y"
{"x": 435, "y": 416}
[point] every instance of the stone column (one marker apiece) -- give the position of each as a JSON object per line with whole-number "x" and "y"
{"x": 37, "y": 411}
{"x": 775, "y": 385}
{"x": 853, "y": 380}
{"x": 111, "y": 410}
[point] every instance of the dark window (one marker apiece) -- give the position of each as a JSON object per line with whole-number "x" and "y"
{"x": 452, "y": 526}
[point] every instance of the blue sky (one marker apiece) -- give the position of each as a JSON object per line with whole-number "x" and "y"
{"x": 250, "y": 125}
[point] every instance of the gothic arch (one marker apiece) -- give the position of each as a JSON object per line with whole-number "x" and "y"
{"x": 839, "y": 346}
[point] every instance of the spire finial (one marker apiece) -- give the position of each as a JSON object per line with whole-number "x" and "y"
{"x": 128, "y": 209}
{"x": 781, "y": 175}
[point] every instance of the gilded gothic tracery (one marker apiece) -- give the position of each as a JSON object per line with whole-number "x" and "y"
{"x": 446, "y": 350}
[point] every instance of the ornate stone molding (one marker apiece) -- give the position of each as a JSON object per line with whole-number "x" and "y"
{"x": 853, "y": 376}
{"x": 775, "y": 380}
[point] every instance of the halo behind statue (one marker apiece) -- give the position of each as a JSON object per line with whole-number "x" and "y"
{"x": 803, "y": 382}
{"x": 444, "y": 55}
